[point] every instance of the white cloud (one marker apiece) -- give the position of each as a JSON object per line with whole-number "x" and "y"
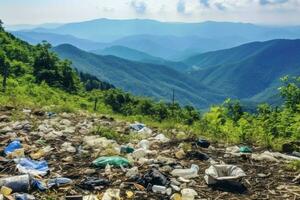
{"x": 255, "y": 11}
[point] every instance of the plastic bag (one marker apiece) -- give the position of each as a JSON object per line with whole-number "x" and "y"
{"x": 14, "y": 145}
{"x": 203, "y": 143}
{"x": 28, "y": 166}
{"x": 245, "y": 149}
{"x": 153, "y": 177}
{"x": 55, "y": 182}
{"x": 115, "y": 161}
{"x": 91, "y": 182}
{"x": 137, "y": 126}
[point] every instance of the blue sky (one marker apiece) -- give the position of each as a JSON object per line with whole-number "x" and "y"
{"x": 275, "y": 12}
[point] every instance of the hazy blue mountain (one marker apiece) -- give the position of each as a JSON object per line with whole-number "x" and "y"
{"x": 108, "y": 30}
{"x": 22, "y": 27}
{"x": 135, "y": 55}
{"x": 170, "y": 40}
{"x": 57, "y": 39}
{"x": 172, "y": 47}
{"x": 249, "y": 71}
{"x": 141, "y": 78}
{"x": 126, "y": 53}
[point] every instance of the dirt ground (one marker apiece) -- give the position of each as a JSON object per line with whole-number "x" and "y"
{"x": 264, "y": 180}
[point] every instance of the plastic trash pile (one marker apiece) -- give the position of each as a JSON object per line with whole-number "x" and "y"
{"x": 58, "y": 156}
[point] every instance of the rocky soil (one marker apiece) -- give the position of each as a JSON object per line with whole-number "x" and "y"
{"x": 72, "y": 146}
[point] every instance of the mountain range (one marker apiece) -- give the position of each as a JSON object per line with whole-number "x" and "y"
{"x": 142, "y": 79}
{"x": 248, "y": 71}
{"x": 168, "y": 40}
{"x": 204, "y": 62}
{"x": 108, "y": 30}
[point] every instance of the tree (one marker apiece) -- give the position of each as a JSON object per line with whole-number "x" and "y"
{"x": 233, "y": 109}
{"x": 1, "y": 25}
{"x": 4, "y": 66}
{"x": 290, "y": 91}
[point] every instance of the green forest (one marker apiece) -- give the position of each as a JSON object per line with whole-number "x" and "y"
{"x": 35, "y": 77}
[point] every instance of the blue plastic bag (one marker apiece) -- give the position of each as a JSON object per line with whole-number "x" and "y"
{"x": 57, "y": 182}
{"x": 14, "y": 145}
{"x": 28, "y": 166}
{"x": 60, "y": 181}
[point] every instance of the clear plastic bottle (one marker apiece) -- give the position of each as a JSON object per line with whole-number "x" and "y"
{"x": 186, "y": 173}
{"x": 161, "y": 189}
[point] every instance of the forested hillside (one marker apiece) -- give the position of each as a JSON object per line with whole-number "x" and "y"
{"x": 142, "y": 79}
{"x": 35, "y": 77}
{"x": 251, "y": 71}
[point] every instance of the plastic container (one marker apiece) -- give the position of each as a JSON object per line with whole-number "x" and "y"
{"x": 186, "y": 173}
{"x": 161, "y": 189}
{"x": 188, "y": 194}
{"x": 17, "y": 183}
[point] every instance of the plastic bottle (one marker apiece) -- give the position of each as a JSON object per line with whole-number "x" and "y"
{"x": 161, "y": 189}
{"x": 17, "y": 183}
{"x": 186, "y": 173}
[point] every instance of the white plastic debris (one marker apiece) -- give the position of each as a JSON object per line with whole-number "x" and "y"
{"x": 232, "y": 150}
{"x": 188, "y": 194}
{"x": 111, "y": 194}
{"x": 145, "y": 144}
{"x": 67, "y": 146}
{"x": 217, "y": 173}
{"x": 132, "y": 172}
{"x": 140, "y": 128}
{"x": 161, "y": 189}
{"x": 162, "y": 138}
{"x": 139, "y": 153}
{"x": 265, "y": 156}
{"x": 186, "y": 173}
{"x": 273, "y": 156}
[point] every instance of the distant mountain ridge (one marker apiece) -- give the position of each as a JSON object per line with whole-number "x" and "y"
{"x": 143, "y": 79}
{"x": 135, "y": 55}
{"x": 250, "y": 71}
{"x": 57, "y": 39}
{"x": 108, "y": 30}
{"x": 168, "y": 40}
